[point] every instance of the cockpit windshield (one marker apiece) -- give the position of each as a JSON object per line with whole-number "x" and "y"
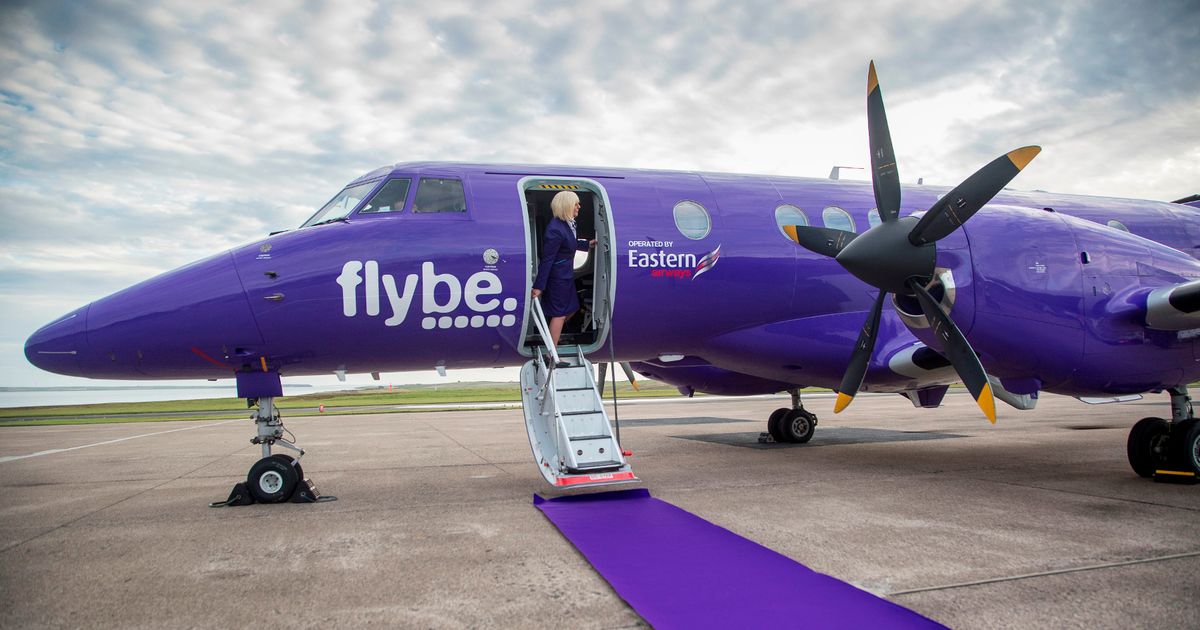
{"x": 341, "y": 205}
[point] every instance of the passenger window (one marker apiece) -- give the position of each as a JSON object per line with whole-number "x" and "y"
{"x": 838, "y": 219}
{"x": 1113, "y": 223}
{"x": 873, "y": 217}
{"x": 692, "y": 220}
{"x": 788, "y": 214}
{"x": 440, "y": 195}
{"x": 390, "y": 198}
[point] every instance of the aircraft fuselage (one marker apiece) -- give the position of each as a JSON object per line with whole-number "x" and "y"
{"x": 1039, "y": 283}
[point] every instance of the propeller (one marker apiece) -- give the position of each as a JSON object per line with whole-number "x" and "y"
{"x": 603, "y": 373}
{"x": 898, "y": 255}
{"x": 828, "y": 241}
{"x": 629, "y": 375}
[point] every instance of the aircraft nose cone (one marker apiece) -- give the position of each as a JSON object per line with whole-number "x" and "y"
{"x": 191, "y": 322}
{"x": 57, "y": 346}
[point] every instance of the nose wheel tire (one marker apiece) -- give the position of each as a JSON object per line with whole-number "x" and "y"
{"x": 1148, "y": 446}
{"x": 293, "y": 462}
{"x": 273, "y": 479}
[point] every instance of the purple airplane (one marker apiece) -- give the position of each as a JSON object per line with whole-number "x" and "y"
{"x": 697, "y": 281}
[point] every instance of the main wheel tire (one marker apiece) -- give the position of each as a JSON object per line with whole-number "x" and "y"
{"x": 1185, "y": 445}
{"x": 798, "y": 426}
{"x": 775, "y": 424}
{"x": 272, "y": 480}
{"x": 1148, "y": 446}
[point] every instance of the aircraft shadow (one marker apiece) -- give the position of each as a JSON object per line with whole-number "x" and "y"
{"x": 825, "y": 436}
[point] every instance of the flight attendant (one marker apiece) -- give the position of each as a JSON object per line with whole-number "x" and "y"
{"x": 555, "y": 282}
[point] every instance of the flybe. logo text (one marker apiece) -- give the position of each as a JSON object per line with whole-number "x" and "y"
{"x": 476, "y": 303}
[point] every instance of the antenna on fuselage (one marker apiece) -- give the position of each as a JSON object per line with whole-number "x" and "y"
{"x": 836, "y": 171}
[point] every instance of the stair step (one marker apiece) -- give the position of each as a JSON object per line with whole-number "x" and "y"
{"x": 594, "y": 466}
{"x": 585, "y": 438}
{"x": 578, "y": 413}
{"x": 574, "y": 389}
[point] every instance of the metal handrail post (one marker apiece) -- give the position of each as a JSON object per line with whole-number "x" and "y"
{"x": 539, "y": 320}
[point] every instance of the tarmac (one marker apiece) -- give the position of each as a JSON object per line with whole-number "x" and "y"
{"x": 1036, "y": 522}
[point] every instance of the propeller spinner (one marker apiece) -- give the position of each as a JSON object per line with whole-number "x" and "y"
{"x": 898, "y": 255}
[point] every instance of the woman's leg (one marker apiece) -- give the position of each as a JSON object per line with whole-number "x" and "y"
{"x": 556, "y": 326}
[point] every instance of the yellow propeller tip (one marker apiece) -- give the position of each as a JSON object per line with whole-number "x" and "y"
{"x": 843, "y": 401}
{"x": 635, "y": 386}
{"x": 1023, "y": 156}
{"x": 791, "y": 232}
{"x": 872, "y": 80}
{"x": 987, "y": 402}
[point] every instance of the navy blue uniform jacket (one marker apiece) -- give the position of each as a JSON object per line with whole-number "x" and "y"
{"x": 556, "y": 271}
{"x": 558, "y": 254}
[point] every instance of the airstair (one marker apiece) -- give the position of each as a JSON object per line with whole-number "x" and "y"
{"x": 569, "y": 430}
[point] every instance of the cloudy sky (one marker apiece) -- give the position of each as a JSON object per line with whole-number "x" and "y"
{"x": 138, "y": 136}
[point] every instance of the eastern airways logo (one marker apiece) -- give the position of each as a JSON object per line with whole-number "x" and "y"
{"x": 480, "y": 294}
{"x": 665, "y": 264}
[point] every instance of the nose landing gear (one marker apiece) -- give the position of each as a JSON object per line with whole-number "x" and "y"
{"x": 276, "y": 477}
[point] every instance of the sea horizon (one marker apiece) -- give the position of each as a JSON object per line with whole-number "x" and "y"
{"x": 48, "y": 396}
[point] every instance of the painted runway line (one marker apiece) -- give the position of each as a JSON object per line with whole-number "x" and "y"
{"x": 12, "y": 458}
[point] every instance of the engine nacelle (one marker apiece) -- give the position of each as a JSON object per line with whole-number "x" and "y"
{"x": 1071, "y": 294}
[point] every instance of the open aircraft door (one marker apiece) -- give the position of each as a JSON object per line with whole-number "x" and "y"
{"x": 605, "y": 269}
{"x": 595, "y": 270}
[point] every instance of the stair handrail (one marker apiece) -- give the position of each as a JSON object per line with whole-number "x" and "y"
{"x": 539, "y": 320}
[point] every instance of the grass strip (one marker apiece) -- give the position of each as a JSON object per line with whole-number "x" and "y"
{"x": 374, "y": 401}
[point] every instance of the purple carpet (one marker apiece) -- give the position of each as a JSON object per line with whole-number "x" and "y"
{"x": 677, "y": 570}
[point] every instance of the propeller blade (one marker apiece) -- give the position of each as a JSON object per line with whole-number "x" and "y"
{"x": 967, "y": 198}
{"x": 826, "y": 241}
{"x": 629, "y": 375}
{"x": 602, "y": 372}
{"x": 863, "y": 348}
{"x": 884, "y": 176}
{"x": 958, "y": 351}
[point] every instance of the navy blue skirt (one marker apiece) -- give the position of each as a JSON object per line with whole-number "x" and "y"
{"x": 559, "y": 298}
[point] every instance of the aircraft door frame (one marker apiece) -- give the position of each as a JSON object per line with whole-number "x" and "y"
{"x": 604, "y": 266}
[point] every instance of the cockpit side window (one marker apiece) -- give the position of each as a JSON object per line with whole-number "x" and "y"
{"x": 440, "y": 195}
{"x": 342, "y": 204}
{"x": 390, "y": 198}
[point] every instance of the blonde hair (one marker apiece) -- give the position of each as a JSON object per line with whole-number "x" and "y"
{"x": 563, "y": 205}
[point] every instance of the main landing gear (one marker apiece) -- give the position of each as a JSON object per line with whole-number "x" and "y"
{"x": 276, "y": 477}
{"x": 1167, "y": 451}
{"x": 794, "y": 425}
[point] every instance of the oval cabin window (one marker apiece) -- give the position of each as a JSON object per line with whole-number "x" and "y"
{"x": 788, "y": 214}
{"x": 692, "y": 220}
{"x": 838, "y": 219}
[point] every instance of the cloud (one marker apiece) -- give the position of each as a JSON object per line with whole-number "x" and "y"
{"x": 134, "y": 138}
